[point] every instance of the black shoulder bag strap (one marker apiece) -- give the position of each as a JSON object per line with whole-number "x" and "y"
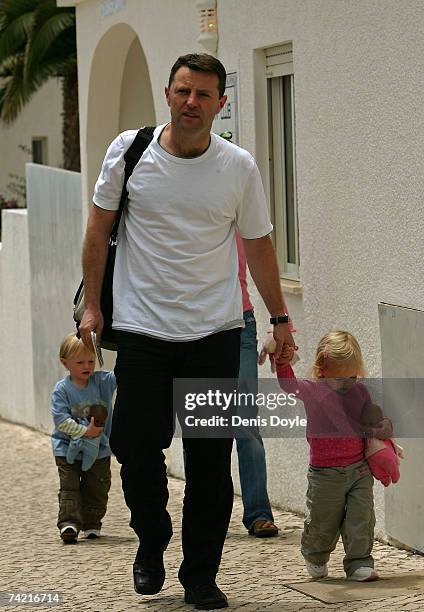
{"x": 131, "y": 157}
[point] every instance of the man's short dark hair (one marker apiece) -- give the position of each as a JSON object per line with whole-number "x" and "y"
{"x": 202, "y": 62}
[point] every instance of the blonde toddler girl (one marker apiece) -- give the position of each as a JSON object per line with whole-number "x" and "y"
{"x": 340, "y": 485}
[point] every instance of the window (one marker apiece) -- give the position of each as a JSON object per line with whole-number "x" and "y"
{"x": 281, "y": 116}
{"x": 39, "y": 150}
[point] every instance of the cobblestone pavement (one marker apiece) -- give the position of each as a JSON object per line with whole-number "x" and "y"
{"x": 96, "y": 574}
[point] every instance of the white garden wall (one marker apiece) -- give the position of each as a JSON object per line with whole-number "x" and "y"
{"x": 39, "y": 273}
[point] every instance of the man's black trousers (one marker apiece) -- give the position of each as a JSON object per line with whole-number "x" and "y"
{"x": 143, "y": 425}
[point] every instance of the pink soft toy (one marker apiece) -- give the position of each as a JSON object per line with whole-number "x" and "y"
{"x": 383, "y": 455}
{"x": 268, "y": 349}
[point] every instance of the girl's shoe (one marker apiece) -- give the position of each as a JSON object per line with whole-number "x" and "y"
{"x": 69, "y": 534}
{"x": 316, "y": 571}
{"x": 92, "y": 534}
{"x": 364, "y": 574}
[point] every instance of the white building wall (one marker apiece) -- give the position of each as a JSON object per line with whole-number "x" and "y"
{"x": 16, "y": 357}
{"x": 41, "y": 117}
{"x": 55, "y": 242}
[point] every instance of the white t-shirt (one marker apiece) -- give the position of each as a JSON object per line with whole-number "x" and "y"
{"x": 176, "y": 269}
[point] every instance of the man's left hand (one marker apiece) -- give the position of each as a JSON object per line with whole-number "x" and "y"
{"x": 282, "y": 337}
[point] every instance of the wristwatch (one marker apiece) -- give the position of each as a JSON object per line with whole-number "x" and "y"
{"x": 280, "y": 319}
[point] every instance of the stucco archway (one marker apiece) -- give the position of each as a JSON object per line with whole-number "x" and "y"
{"x": 119, "y": 95}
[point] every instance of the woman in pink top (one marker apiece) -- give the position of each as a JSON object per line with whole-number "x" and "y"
{"x": 340, "y": 484}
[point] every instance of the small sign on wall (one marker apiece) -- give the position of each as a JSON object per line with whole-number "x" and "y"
{"x": 108, "y": 7}
{"x": 227, "y": 119}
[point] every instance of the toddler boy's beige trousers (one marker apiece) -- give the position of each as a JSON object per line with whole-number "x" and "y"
{"x": 83, "y": 495}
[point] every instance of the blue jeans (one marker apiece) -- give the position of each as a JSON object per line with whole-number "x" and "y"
{"x": 250, "y": 450}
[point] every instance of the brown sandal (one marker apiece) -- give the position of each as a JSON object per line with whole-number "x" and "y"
{"x": 263, "y": 529}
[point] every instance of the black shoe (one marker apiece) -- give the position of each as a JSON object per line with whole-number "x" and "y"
{"x": 206, "y": 597}
{"x": 149, "y": 574}
{"x": 69, "y": 534}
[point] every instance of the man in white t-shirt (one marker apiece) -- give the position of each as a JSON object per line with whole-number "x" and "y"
{"x": 178, "y": 313}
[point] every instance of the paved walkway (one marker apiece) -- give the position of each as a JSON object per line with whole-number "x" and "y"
{"x": 96, "y": 575}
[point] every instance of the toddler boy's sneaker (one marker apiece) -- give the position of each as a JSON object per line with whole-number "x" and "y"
{"x": 69, "y": 534}
{"x": 363, "y": 574}
{"x": 92, "y": 534}
{"x": 316, "y": 571}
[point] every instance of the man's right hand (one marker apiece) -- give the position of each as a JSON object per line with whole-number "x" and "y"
{"x": 93, "y": 431}
{"x": 92, "y": 320}
{"x": 94, "y": 256}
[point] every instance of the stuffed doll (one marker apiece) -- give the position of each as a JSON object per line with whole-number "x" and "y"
{"x": 383, "y": 456}
{"x": 89, "y": 447}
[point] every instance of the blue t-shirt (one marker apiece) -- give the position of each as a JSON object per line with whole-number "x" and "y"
{"x": 68, "y": 401}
